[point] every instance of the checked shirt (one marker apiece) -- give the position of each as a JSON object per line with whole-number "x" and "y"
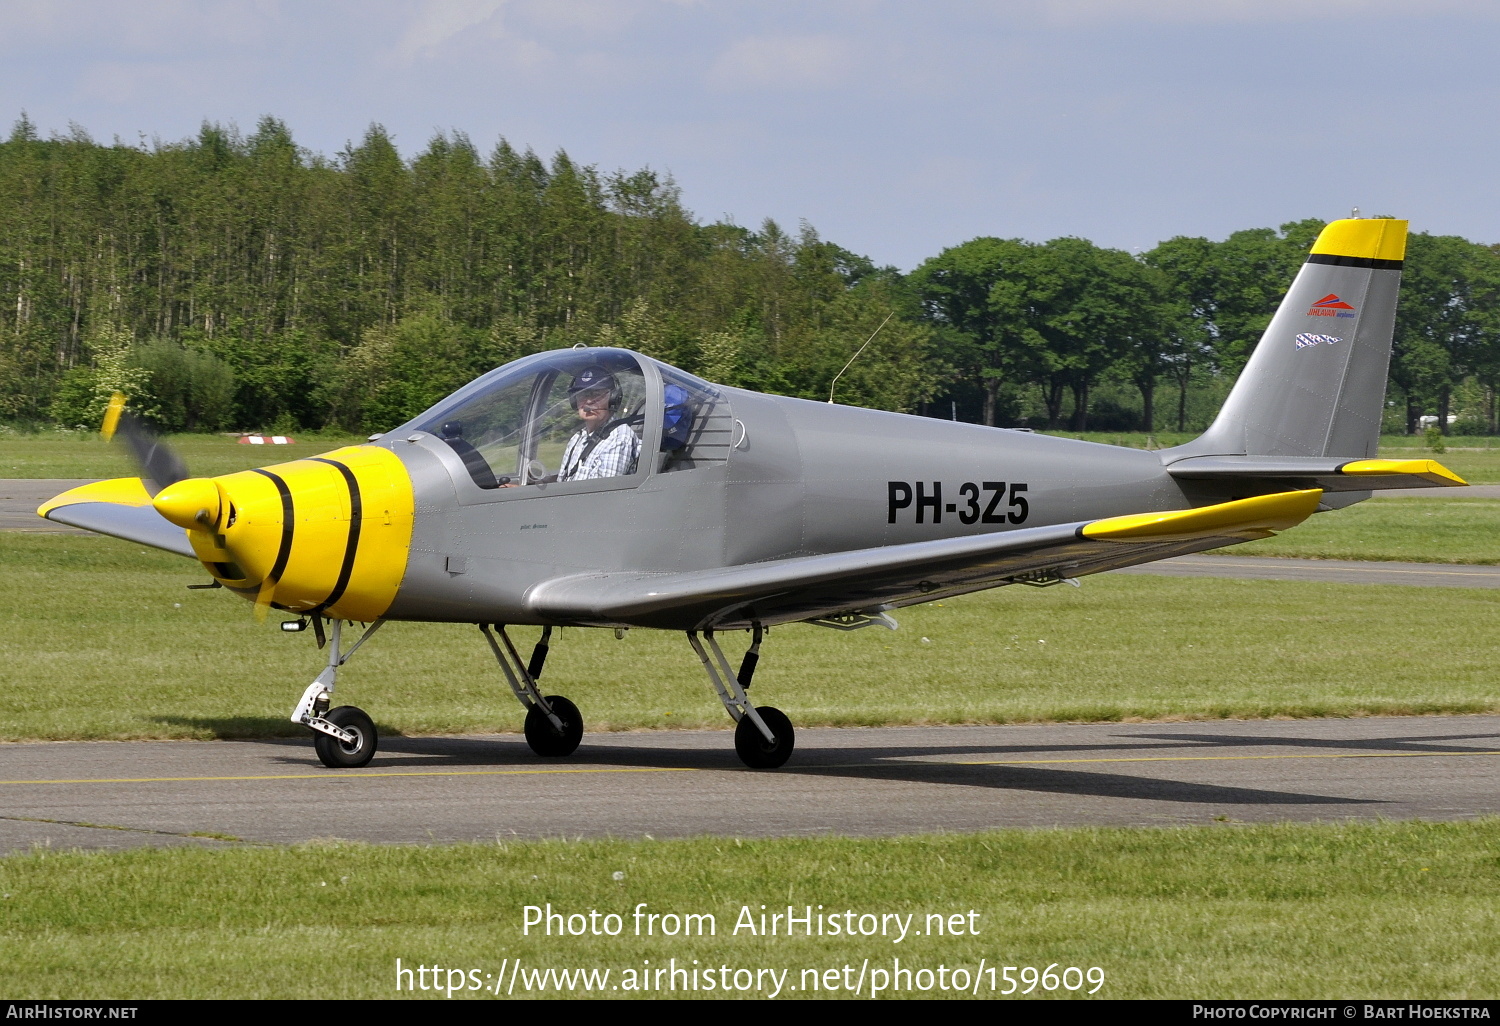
{"x": 615, "y": 455}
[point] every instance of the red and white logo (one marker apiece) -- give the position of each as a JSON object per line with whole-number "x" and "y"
{"x": 1331, "y": 306}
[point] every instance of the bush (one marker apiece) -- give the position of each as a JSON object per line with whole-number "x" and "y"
{"x": 193, "y": 391}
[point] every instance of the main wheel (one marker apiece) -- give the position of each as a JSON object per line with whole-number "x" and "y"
{"x": 543, "y": 737}
{"x": 751, "y": 746}
{"x": 339, "y": 755}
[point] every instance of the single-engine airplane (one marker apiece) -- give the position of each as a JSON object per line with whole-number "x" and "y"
{"x": 596, "y": 487}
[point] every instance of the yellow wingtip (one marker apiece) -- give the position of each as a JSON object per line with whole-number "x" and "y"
{"x": 122, "y": 491}
{"x": 1256, "y": 516}
{"x": 112, "y": 415}
{"x": 1372, "y": 238}
{"x": 1427, "y": 470}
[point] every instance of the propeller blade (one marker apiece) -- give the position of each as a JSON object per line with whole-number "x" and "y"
{"x": 156, "y": 460}
{"x": 263, "y": 599}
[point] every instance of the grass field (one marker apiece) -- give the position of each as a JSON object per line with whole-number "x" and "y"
{"x": 1378, "y": 910}
{"x": 101, "y": 640}
{"x": 83, "y": 454}
{"x": 1435, "y": 530}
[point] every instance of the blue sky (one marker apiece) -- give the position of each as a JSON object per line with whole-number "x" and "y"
{"x": 895, "y": 129}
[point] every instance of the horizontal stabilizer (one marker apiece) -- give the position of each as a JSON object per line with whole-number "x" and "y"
{"x": 120, "y": 508}
{"x": 1275, "y": 473}
{"x": 874, "y": 580}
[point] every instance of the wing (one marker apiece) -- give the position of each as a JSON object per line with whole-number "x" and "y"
{"x": 120, "y": 508}
{"x": 873, "y": 580}
{"x": 1278, "y": 473}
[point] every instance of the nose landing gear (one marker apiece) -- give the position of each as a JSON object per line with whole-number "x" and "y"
{"x": 344, "y": 738}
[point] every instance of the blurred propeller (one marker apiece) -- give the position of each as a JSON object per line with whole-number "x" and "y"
{"x": 195, "y": 504}
{"x": 156, "y": 461}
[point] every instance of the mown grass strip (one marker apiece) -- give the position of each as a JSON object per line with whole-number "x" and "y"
{"x": 1379, "y": 910}
{"x": 83, "y": 454}
{"x": 1438, "y": 529}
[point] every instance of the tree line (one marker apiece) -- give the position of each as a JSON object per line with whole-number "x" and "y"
{"x": 241, "y": 281}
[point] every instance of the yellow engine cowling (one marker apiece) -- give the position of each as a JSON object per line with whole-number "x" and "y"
{"x": 328, "y": 534}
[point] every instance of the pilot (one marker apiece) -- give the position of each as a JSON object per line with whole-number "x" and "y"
{"x": 604, "y": 446}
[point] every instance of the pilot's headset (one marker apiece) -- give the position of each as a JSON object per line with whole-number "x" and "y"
{"x": 591, "y": 378}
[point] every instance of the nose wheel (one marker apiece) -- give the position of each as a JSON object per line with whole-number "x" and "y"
{"x": 337, "y": 753}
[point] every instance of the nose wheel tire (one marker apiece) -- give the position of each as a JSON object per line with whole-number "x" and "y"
{"x": 544, "y": 738}
{"x": 337, "y": 754}
{"x": 751, "y": 745}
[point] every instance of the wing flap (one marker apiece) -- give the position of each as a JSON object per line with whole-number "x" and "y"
{"x": 869, "y": 580}
{"x": 120, "y": 508}
{"x": 1329, "y": 474}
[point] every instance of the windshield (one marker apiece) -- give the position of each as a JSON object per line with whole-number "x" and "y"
{"x": 575, "y": 415}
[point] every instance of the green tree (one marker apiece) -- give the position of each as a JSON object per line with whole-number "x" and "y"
{"x": 982, "y": 296}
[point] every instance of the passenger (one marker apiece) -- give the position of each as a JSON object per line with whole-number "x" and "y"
{"x": 604, "y": 446}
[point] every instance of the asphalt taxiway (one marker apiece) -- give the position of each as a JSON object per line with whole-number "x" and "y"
{"x": 861, "y": 781}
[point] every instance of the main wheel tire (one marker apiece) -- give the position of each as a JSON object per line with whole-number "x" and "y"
{"x": 338, "y": 755}
{"x": 751, "y": 745}
{"x": 543, "y": 737}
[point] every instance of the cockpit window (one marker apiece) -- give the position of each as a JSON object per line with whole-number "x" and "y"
{"x": 573, "y": 416}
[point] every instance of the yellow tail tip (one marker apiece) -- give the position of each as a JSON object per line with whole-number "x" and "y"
{"x": 1372, "y": 238}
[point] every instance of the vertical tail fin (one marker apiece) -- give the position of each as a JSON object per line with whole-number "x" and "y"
{"x": 1315, "y": 385}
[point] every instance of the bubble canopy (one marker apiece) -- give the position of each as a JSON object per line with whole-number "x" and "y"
{"x": 513, "y": 426}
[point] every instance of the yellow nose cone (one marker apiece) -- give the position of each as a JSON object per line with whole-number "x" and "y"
{"x": 192, "y": 503}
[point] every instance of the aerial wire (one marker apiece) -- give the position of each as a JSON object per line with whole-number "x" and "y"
{"x": 861, "y": 349}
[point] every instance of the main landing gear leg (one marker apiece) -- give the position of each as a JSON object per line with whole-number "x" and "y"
{"x": 553, "y": 724}
{"x": 763, "y": 736}
{"x": 343, "y": 737}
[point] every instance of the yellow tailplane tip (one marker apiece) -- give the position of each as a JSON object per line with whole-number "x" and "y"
{"x": 1428, "y": 470}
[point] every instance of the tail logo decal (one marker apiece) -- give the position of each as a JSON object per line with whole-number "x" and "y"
{"x": 1331, "y": 306}
{"x": 1303, "y": 341}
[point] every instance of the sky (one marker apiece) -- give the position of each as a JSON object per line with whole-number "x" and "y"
{"x": 895, "y": 129}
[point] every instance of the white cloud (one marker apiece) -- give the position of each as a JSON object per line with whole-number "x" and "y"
{"x": 782, "y": 62}
{"x": 439, "y": 21}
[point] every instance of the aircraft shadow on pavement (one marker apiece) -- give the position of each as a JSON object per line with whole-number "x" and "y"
{"x": 239, "y": 728}
{"x": 1082, "y": 782}
{"x": 897, "y": 763}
